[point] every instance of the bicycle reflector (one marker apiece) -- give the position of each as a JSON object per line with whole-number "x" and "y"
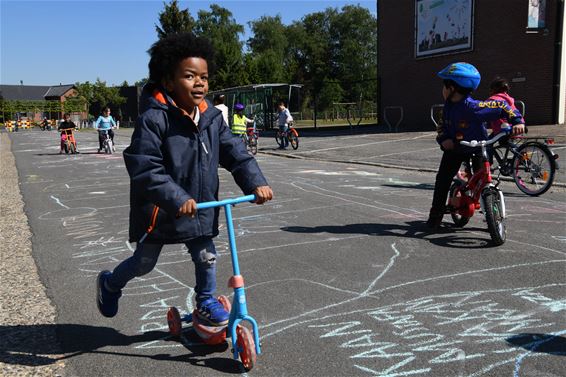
{"x": 549, "y": 141}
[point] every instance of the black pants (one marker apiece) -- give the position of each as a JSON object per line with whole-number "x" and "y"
{"x": 101, "y": 138}
{"x": 449, "y": 166}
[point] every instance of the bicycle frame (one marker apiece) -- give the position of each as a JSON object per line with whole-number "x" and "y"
{"x": 69, "y": 136}
{"x": 472, "y": 190}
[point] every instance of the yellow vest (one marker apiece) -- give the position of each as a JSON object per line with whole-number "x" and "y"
{"x": 239, "y": 125}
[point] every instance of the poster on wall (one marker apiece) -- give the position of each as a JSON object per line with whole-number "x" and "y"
{"x": 443, "y": 26}
{"x": 537, "y": 14}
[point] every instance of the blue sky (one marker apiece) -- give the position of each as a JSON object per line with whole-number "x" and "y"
{"x": 51, "y": 42}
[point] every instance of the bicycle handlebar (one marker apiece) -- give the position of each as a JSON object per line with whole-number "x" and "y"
{"x": 483, "y": 143}
{"x": 221, "y": 203}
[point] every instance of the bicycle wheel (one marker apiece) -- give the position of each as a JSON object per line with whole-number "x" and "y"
{"x": 454, "y": 200}
{"x": 72, "y": 148}
{"x": 253, "y": 145}
{"x": 494, "y": 217}
{"x": 534, "y": 168}
{"x": 294, "y": 139}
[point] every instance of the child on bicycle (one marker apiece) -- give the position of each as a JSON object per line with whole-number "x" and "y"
{"x": 177, "y": 144}
{"x": 462, "y": 119}
{"x": 66, "y": 124}
{"x": 103, "y": 124}
{"x": 240, "y": 121}
{"x": 499, "y": 91}
{"x": 284, "y": 120}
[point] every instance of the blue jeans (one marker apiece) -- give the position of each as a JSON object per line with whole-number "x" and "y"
{"x": 203, "y": 254}
{"x": 284, "y": 128}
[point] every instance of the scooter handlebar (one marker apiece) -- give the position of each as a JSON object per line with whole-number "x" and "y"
{"x": 221, "y": 203}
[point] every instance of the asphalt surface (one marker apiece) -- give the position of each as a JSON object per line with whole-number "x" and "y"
{"x": 340, "y": 273}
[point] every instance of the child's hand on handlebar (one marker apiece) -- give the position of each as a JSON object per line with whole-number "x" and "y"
{"x": 518, "y": 129}
{"x": 263, "y": 194}
{"x": 189, "y": 208}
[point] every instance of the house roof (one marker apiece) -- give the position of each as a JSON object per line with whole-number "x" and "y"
{"x": 58, "y": 90}
{"x": 32, "y": 92}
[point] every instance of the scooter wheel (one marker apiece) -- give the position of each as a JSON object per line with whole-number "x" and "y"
{"x": 225, "y": 303}
{"x": 174, "y": 321}
{"x": 246, "y": 346}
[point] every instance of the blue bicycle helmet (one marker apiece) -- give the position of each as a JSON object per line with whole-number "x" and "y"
{"x": 238, "y": 107}
{"x": 463, "y": 74}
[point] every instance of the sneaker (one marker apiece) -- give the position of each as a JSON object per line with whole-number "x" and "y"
{"x": 213, "y": 312}
{"x": 434, "y": 220}
{"x": 106, "y": 301}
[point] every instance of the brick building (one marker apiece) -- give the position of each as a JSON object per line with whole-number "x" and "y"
{"x": 521, "y": 40}
{"x": 58, "y": 93}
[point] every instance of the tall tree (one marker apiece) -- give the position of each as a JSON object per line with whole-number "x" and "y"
{"x": 173, "y": 20}
{"x": 98, "y": 95}
{"x": 356, "y": 52}
{"x": 220, "y": 27}
{"x": 268, "y": 48}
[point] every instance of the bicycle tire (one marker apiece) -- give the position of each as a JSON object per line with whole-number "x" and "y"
{"x": 534, "y": 168}
{"x": 459, "y": 220}
{"x": 294, "y": 140}
{"x": 72, "y": 148}
{"x": 494, "y": 217}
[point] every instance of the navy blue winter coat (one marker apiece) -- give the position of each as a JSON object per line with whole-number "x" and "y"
{"x": 464, "y": 120}
{"x": 170, "y": 161}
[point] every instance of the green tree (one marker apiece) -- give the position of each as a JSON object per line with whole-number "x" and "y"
{"x": 220, "y": 27}
{"x": 173, "y": 20}
{"x": 268, "y": 48}
{"x": 356, "y": 52}
{"x": 98, "y": 96}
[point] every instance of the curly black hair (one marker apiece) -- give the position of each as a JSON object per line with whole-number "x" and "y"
{"x": 167, "y": 52}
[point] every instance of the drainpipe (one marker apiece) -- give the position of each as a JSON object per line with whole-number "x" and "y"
{"x": 559, "y": 90}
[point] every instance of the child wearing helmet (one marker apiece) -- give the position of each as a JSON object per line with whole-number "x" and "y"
{"x": 462, "y": 119}
{"x": 240, "y": 121}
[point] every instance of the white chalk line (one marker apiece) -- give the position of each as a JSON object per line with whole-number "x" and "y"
{"x": 374, "y": 293}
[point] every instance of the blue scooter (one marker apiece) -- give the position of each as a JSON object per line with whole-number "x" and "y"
{"x": 244, "y": 345}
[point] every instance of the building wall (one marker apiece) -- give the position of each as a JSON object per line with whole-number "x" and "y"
{"x": 501, "y": 46}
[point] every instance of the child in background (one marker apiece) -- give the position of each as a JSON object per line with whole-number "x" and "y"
{"x": 66, "y": 124}
{"x": 499, "y": 91}
{"x": 219, "y": 104}
{"x": 176, "y": 147}
{"x": 284, "y": 119}
{"x": 105, "y": 122}
{"x": 462, "y": 119}
{"x": 240, "y": 121}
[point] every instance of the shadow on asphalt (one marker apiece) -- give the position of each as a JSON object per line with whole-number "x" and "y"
{"x": 542, "y": 343}
{"x": 420, "y": 186}
{"x": 31, "y": 345}
{"x": 330, "y": 132}
{"x": 411, "y": 229}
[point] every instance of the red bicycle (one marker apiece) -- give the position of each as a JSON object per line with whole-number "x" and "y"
{"x": 479, "y": 192}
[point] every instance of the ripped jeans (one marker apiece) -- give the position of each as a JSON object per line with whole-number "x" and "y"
{"x": 203, "y": 254}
